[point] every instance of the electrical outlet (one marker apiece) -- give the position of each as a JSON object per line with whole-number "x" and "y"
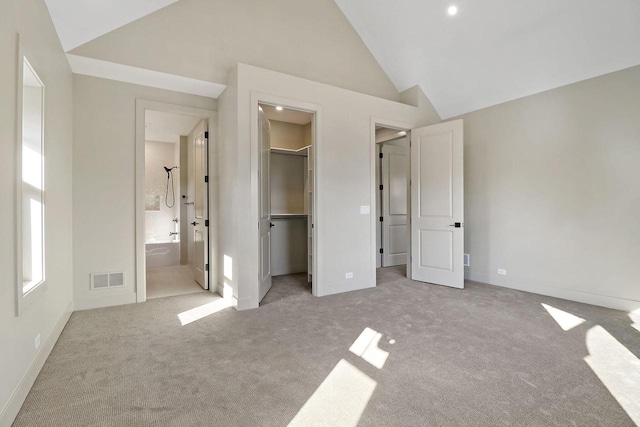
{"x": 365, "y": 210}
{"x": 37, "y": 341}
{"x": 348, "y": 275}
{"x": 502, "y": 272}
{"x": 467, "y": 260}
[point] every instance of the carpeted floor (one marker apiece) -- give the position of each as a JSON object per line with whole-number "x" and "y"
{"x": 402, "y": 354}
{"x": 170, "y": 281}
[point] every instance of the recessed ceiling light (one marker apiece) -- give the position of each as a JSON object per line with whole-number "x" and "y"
{"x": 279, "y": 108}
{"x": 453, "y": 10}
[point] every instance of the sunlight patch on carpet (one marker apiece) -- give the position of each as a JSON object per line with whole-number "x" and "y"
{"x": 366, "y": 347}
{"x": 565, "y": 320}
{"x": 339, "y": 401}
{"x": 617, "y": 368}
{"x": 203, "y": 311}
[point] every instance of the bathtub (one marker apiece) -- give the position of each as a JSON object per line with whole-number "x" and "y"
{"x": 159, "y": 254}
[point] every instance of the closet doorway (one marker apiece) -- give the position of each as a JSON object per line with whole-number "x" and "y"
{"x": 286, "y": 141}
{"x": 392, "y": 201}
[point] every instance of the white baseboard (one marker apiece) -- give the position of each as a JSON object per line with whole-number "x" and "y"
{"x": 346, "y": 286}
{"x": 243, "y": 304}
{"x": 568, "y": 294}
{"x": 219, "y": 289}
{"x": 11, "y": 409}
{"x": 104, "y": 301}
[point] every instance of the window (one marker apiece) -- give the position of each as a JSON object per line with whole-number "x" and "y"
{"x": 31, "y": 272}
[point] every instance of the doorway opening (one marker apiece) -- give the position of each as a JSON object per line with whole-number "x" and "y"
{"x": 176, "y": 203}
{"x": 286, "y": 144}
{"x": 392, "y": 177}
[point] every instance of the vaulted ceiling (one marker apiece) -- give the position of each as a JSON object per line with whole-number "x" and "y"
{"x": 494, "y": 51}
{"x": 80, "y": 21}
{"x": 490, "y": 52}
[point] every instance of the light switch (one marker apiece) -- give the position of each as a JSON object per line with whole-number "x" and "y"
{"x": 365, "y": 210}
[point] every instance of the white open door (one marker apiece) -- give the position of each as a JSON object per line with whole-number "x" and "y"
{"x": 201, "y": 205}
{"x": 264, "y": 178}
{"x": 395, "y": 237}
{"x": 437, "y": 208}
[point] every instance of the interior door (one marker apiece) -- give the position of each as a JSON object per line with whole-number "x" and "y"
{"x": 264, "y": 177}
{"x": 437, "y": 209}
{"x": 395, "y": 237}
{"x": 201, "y": 205}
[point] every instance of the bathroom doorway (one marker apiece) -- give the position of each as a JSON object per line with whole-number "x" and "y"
{"x": 175, "y": 203}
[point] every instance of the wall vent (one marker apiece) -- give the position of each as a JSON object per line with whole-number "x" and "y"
{"x": 467, "y": 260}
{"x": 107, "y": 280}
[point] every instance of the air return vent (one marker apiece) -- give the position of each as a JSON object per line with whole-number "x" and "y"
{"x": 107, "y": 280}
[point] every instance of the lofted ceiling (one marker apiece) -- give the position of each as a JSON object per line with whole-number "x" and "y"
{"x": 494, "y": 51}
{"x": 79, "y": 21}
{"x": 491, "y": 52}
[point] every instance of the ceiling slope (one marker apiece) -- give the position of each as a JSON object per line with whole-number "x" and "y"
{"x": 79, "y": 21}
{"x": 204, "y": 39}
{"x": 494, "y": 51}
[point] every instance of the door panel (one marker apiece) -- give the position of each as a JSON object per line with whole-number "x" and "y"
{"x": 394, "y": 204}
{"x": 264, "y": 144}
{"x": 437, "y": 206}
{"x": 435, "y": 175}
{"x": 201, "y": 206}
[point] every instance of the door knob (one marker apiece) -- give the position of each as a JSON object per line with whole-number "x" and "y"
{"x": 194, "y": 223}
{"x": 271, "y": 225}
{"x": 457, "y": 225}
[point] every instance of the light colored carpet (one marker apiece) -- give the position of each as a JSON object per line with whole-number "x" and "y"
{"x": 170, "y": 281}
{"x": 480, "y": 356}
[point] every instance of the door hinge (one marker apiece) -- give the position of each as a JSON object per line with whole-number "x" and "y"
{"x": 381, "y": 155}
{"x": 206, "y": 267}
{"x": 381, "y": 219}
{"x": 206, "y": 135}
{"x": 206, "y": 222}
{"x": 381, "y": 250}
{"x": 381, "y": 187}
{"x": 206, "y": 178}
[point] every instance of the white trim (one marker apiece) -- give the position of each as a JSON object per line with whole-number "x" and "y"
{"x": 143, "y": 77}
{"x": 210, "y": 115}
{"x": 99, "y": 301}
{"x": 401, "y": 126}
{"x": 627, "y": 305}
{"x": 24, "y": 300}
{"x": 11, "y": 409}
{"x": 316, "y": 126}
{"x": 243, "y": 303}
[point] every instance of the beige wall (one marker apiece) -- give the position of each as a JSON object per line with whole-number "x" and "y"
{"x": 288, "y": 135}
{"x": 207, "y": 38}
{"x": 345, "y": 178}
{"x": 20, "y": 362}
{"x": 227, "y": 172}
{"x": 104, "y": 181}
{"x": 552, "y": 191}
{"x": 288, "y": 174}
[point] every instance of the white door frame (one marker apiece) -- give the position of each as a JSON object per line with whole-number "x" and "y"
{"x": 212, "y": 116}
{"x": 264, "y": 98}
{"x": 400, "y": 126}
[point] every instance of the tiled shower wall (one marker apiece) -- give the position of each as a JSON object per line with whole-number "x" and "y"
{"x": 158, "y": 217}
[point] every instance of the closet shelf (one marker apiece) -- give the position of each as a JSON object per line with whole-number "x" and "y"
{"x": 289, "y": 216}
{"x": 299, "y": 152}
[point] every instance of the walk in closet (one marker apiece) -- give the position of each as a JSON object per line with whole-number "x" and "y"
{"x": 291, "y": 191}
